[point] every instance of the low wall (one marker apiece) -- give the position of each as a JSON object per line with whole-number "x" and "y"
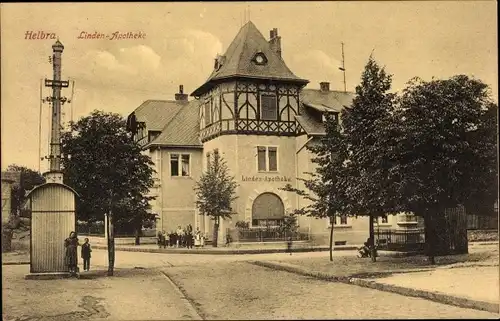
{"x": 99, "y": 240}
{"x": 347, "y": 235}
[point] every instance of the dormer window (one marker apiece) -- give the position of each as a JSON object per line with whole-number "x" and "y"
{"x": 260, "y": 59}
{"x": 334, "y": 115}
{"x": 219, "y": 61}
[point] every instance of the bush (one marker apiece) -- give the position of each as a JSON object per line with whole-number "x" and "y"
{"x": 242, "y": 225}
{"x": 482, "y": 235}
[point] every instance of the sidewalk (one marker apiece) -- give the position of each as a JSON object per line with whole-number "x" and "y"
{"x": 19, "y": 258}
{"x": 234, "y": 248}
{"x": 150, "y": 297}
{"x": 469, "y": 281}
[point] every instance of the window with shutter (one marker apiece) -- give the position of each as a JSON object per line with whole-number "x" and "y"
{"x": 208, "y": 115}
{"x": 342, "y": 220}
{"x": 174, "y": 165}
{"x": 273, "y": 160}
{"x": 261, "y": 155}
{"x": 268, "y": 107}
{"x": 267, "y": 159}
{"x": 185, "y": 165}
{"x": 180, "y": 165}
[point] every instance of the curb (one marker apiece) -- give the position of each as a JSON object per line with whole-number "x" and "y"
{"x": 223, "y": 251}
{"x": 432, "y": 296}
{"x": 484, "y": 243}
{"x": 190, "y": 306}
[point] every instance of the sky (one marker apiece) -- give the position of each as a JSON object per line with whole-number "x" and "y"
{"x": 410, "y": 38}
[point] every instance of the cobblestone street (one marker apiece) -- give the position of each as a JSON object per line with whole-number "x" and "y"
{"x": 211, "y": 287}
{"x": 239, "y": 290}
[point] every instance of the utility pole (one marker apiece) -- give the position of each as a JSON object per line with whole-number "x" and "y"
{"x": 343, "y": 67}
{"x": 40, "y": 129}
{"x": 56, "y": 101}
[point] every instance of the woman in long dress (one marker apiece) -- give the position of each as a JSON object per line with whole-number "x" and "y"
{"x": 197, "y": 238}
{"x": 71, "y": 245}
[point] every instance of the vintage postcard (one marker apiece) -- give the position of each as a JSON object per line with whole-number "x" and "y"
{"x": 249, "y": 160}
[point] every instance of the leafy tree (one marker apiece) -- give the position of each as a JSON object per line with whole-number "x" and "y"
{"x": 484, "y": 192}
{"x": 28, "y": 179}
{"x": 106, "y": 167}
{"x": 445, "y": 149}
{"x": 242, "y": 225}
{"x": 215, "y": 192}
{"x": 365, "y": 124}
{"x": 290, "y": 224}
{"x": 326, "y": 187}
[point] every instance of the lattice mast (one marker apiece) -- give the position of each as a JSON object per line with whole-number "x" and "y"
{"x": 56, "y": 101}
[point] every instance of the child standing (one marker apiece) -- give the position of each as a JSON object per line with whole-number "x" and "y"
{"x": 86, "y": 255}
{"x": 289, "y": 245}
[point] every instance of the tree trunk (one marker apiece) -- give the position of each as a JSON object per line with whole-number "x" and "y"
{"x": 331, "y": 240}
{"x": 138, "y": 236}
{"x": 373, "y": 251}
{"x": 111, "y": 245}
{"x": 216, "y": 232}
{"x": 429, "y": 237}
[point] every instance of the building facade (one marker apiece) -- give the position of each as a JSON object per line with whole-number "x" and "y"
{"x": 258, "y": 114}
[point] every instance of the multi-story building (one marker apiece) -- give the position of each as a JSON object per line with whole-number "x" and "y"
{"x": 258, "y": 114}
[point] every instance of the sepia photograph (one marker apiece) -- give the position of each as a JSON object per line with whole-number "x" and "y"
{"x": 231, "y": 160}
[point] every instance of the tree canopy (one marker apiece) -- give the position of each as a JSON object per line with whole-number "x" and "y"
{"x": 326, "y": 187}
{"x": 366, "y": 126}
{"x": 106, "y": 167}
{"x": 29, "y": 179}
{"x": 215, "y": 190}
{"x": 447, "y": 144}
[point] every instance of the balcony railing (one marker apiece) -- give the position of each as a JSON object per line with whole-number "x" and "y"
{"x": 265, "y": 234}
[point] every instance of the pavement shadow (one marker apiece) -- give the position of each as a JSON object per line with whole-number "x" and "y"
{"x": 117, "y": 273}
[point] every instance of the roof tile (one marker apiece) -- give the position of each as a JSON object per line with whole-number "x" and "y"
{"x": 332, "y": 100}
{"x": 182, "y": 130}
{"x": 238, "y": 59}
{"x": 157, "y": 113}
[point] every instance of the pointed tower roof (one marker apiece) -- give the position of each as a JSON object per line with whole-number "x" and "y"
{"x": 238, "y": 61}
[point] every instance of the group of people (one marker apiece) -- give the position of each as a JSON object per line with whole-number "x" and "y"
{"x": 71, "y": 244}
{"x": 182, "y": 237}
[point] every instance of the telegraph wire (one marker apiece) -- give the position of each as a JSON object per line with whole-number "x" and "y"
{"x": 40, "y": 128}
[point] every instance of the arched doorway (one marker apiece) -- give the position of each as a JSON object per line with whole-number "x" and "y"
{"x": 267, "y": 210}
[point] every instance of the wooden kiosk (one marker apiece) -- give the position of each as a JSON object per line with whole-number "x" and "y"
{"x": 52, "y": 220}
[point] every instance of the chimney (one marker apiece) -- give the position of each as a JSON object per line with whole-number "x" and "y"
{"x": 324, "y": 86}
{"x": 275, "y": 41}
{"x": 181, "y": 95}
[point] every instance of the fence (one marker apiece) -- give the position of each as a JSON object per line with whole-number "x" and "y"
{"x": 265, "y": 234}
{"x": 98, "y": 230}
{"x": 400, "y": 240}
{"x": 482, "y": 222}
{"x": 90, "y": 229}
